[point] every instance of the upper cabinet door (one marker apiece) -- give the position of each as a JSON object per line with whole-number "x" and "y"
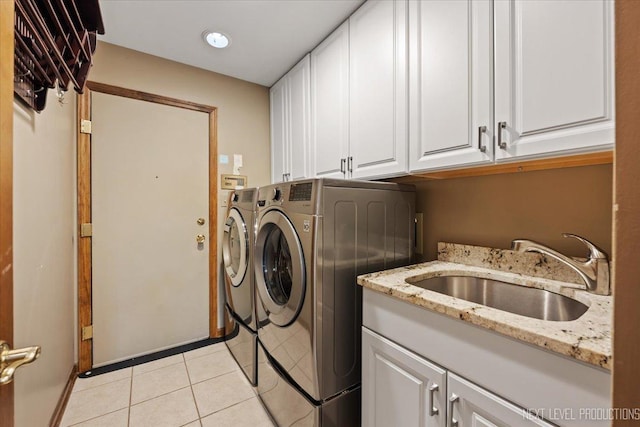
{"x": 330, "y": 105}
{"x": 299, "y": 116}
{"x": 451, "y": 93}
{"x": 378, "y": 89}
{"x": 277, "y": 99}
{"x": 554, "y": 77}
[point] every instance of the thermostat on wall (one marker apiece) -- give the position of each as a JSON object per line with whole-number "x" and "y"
{"x": 234, "y": 182}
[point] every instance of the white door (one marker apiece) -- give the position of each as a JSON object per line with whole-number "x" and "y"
{"x": 378, "y": 89}
{"x": 299, "y": 116}
{"x": 277, "y": 99}
{"x": 451, "y": 91}
{"x": 473, "y": 406}
{"x": 400, "y": 388}
{"x": 330, "y": 105}
{"x": 554, "y": 76}
{"x": 149, "y": 184}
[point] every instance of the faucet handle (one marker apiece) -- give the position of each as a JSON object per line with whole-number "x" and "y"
{"x": 594, "y": 251}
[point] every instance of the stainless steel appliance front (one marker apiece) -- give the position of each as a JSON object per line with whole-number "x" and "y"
{"x": 313, "y": 238}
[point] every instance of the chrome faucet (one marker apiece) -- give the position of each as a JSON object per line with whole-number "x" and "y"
{"x": 594, "y": 271}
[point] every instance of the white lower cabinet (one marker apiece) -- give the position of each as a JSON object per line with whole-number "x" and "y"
{"x": 401, "y": 388}
{"x": 491, "y": 379}
{"x": 471, "y": 405}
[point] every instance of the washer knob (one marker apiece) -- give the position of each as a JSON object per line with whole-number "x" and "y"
{"x": 236, "y": 197}
{"x": 277, "y": 194}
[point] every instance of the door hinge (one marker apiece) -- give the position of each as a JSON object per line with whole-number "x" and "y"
{"x": 85, "y": 126}
{"x": 87, "y": 332}
{"x": 86, "y": 230}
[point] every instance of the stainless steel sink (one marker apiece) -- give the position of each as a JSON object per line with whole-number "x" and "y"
{"x": 530, "y": 302}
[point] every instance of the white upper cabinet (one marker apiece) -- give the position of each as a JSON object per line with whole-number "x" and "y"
{"x": 277, "y": 100}
{"x": 554, "y": 77}
{"x": 549, "y": 80}
{"x": 290, "y": 116}
{"x": 408, "y": 86}
{"x": 378, "y": 89}
{"x": 451, "y": 93}
{"x": 299, "y": 113}
{"x": 330, "y": 105}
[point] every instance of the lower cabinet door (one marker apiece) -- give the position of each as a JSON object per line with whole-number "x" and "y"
{"x": 399, "y": 388}
{"x": 470, "y": 405}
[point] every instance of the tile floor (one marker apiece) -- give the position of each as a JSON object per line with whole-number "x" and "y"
{"x": 199, "y": 388}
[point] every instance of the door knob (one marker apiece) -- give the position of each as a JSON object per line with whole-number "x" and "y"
{"x": 200, "y": 238}
{"x": 10, "y": 360}
{"x": 200, "y": 221}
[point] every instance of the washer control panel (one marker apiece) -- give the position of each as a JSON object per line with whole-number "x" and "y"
{"x": 292, "y": 196}
{"x": 300, "y": 192}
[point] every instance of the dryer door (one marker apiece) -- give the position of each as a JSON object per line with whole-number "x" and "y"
{"x": 235, "y": 247}
{"x": 279, "y": 267}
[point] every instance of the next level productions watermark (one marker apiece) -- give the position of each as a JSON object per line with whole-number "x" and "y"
{"x": 584, "y": 414}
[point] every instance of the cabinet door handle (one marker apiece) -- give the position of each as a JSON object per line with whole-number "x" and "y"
{"x": 350, "y": 164}
{"x": 343, "y": 163}
{"x": 452, "y": 422}
{"x": 432, "y": 409}
{"x": 481, "y": 146}
{"x": 501, "y": 126}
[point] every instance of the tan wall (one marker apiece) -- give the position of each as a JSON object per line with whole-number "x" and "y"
{"x": 493, "y": 210}
{"x": 243, "y": 107}
{"x": 43, "y": 229}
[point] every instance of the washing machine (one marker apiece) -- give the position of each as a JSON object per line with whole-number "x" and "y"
{"x": 313, "y": 238}
{"x": 241, "y": 322}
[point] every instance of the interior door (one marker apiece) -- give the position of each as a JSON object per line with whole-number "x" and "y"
{"x": 149, "y": 184}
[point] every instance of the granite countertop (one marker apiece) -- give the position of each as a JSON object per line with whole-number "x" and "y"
{"x": 587, "y": 338}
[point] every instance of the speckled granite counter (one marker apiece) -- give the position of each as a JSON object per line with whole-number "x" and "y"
{"x": 587, "y": 339}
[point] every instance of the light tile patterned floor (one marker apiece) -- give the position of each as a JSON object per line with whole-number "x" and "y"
{"x": 200, "y": 388}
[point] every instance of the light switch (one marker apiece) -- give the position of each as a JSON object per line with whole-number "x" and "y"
{"x": 237, "y": 163}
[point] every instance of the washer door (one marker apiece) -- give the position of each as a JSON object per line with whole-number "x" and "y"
{"x": 235, "y": 247}
{"x": 279, "y": 268}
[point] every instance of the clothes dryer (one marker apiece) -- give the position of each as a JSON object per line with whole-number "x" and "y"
{"x": 313, "y": 238}
{"x": 240, "y": 309}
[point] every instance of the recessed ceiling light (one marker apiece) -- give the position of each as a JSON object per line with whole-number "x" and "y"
{"x": 216, "y": 39}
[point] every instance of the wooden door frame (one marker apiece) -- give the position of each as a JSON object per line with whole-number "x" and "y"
{"x": 85, "y": 348}
{"x": 626, "y": 212}
{"x": 6, "y": 197}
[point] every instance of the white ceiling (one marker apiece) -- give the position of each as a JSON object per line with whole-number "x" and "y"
{"x": 267, "y": 36}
